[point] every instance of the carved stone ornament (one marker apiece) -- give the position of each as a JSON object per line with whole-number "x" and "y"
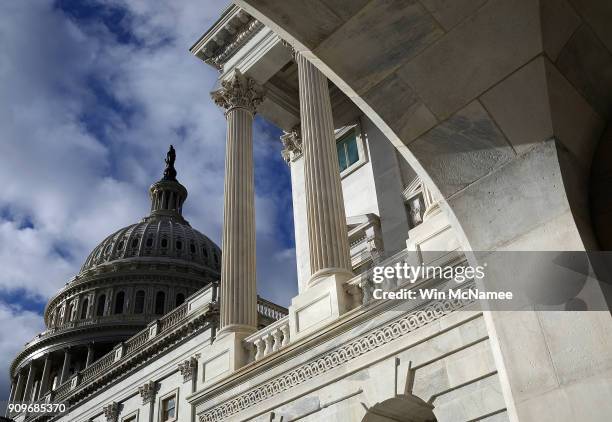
{"x": 292, "y": 144}
{"x": 111, "y": 412}
{"x": 239, "y": 91}
{"x": 187, "y": 368}
{"x": 148, "y": 392}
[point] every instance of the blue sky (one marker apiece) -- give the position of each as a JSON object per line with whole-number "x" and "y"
{"x": 92, "y": 93}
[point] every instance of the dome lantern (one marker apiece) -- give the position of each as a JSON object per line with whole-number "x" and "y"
{"x": 168, "y": 195}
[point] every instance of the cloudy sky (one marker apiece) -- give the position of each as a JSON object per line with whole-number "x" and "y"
{"x": 92, "y": 92}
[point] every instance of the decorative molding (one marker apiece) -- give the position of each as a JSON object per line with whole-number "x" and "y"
{"x": 111, "y": 412}
{"x": 148, "y": 392}
{"x": 188, "y": 368}
{"x": 241, "y": 38}
{"x": 333, "y": 359}
{"x": 239, "y": 91}
{"x": 292, "y": 144}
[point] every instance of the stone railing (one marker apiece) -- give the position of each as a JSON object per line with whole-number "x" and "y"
{"x": 172, "y": 318}
{"x": 95, "y": 369}
{"x": 134, "y": 344}
{"x": 270, "y": 310}
{"x": 269, "y": 339}
{"x": 107, "y": 319}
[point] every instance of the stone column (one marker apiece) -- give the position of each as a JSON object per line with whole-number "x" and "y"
{"x": 65, "y": 367}
{"x": 44, "y": 380}
{"x": 90, "y": 355}
{"x": 12, "y": 393}
{"x": 239, "y": 96}
{"x": 327, "y": 232}
{"x": 27, "y": 395}
{"x": 18, "y": 396}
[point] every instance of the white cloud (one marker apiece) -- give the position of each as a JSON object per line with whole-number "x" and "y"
{"x": 85, "y": 121}
{"x": 12, "y": 341}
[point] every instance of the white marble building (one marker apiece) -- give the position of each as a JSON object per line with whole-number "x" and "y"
{"x": 337, "y": 354}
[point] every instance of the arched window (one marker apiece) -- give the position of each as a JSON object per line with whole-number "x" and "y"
{"x": 84, "y": 308}
{"x": 164, "y": 243}
{"x": 160, "y": 303}
{"x": 119, "y": 302}
{"x": 149, "y": 242}
{"x": 139, "y": 302}
{"x": 192, "y": 248}
{"x": 180, "y": 299}
{"x": 101, "y": 304}
{"x": 179, "y": 245}
{"x": 134, "y": 242}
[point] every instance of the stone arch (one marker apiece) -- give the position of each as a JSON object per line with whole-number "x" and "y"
{"x": 498, "y": 108}
{"x": 402, "y": 408}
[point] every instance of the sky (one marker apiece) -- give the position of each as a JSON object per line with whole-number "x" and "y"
{"x": 92, "y": 93}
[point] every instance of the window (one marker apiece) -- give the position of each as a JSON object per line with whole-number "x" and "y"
{"x": 134, "y": 242}
{"x": 119, "y": 302}
{"x": 101, "y": 303}
{"x": 348, "y": 150}
{"x": 84, "y": 308}
{"x": 139, "y": 301}
{"x": 179, "y": 245}
{"x": 205, "y": 252}
{"x": 120, "y": 245}
{"x": 192, "y": 248}
{"x": 164, "y": 243}
{"x": 180, "y": 299}
{"x": 168, "y": 409}
{"x": 160, "y": 303}
{"x": 149, "y": 242}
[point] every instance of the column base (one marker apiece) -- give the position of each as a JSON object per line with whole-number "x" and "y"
{"x": 318, "y": 306}
{"x": 227, "y": 353}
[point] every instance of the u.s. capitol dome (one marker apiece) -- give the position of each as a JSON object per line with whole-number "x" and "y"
{"x": 131, "y": 278}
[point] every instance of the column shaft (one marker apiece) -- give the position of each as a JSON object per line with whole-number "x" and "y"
{"x": 18, "y": 396}
{"x": 44, "y": 381}
{"x": 240, "y": 97}
{"x": 27, "y": 395}
{"x": 12, "y": 392}
{"x": 65, "y": 367}
{"x": 238, "y": 268}
{"x": 90, "y": 355}
{"x": 327, "y": 231}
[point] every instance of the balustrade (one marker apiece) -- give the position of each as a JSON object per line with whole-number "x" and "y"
{"x": 269, "y": 339}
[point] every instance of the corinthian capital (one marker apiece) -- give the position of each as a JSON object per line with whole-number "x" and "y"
{"x": 111, "y": 412}
{"x": 239, "y": 91}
